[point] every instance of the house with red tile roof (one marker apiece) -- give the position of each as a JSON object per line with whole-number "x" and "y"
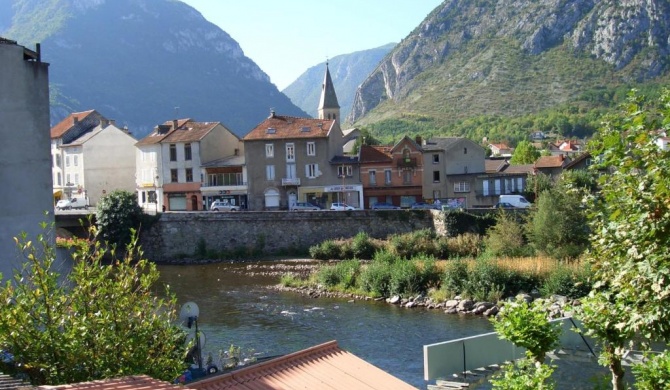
{"x": 502, "y": 178}
{"x": 91, "y": 156}
{"x": 291, "y": 159}
{"x": 185, "y": 165}
{"x": 500, "y": 150}
{"x": 392, "y": 174}
{"x": 551, "y": 165}
{"x": 324, "y": 366}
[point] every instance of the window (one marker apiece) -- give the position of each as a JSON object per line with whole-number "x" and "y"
{"x": 187, "y": 154}
{"x": 269, "y": 150}
{"x": 58, "y": 162}
{"x": 344, "y": 170}
{"x": 436, "y": 176}
{"x": 311, "y": 149}
{"x": 437, "y": 194}
{"x": 189, "y": 175}
{"x": 67, "y": 180}
{"x": 465, "y": 150}
{"x": 462, "y": 186}
{"x": 496, "y": 187}
{"x": 436, "y": 159}
{"x": 407, "y": 176}
{"x": 312, "y": 170}
{"x": 76, "y": 179}
{"x": 485, "y": 188}
{"x": 373, "y": 178}
{"x": 269, "y": 172}
{"x": 174, "y": 177}
{"x": 290, "y": 171}
{"x": 59, "y": 179}
{"x": 290, "y": 152}
{"x": 173, "y": 152}
{"x": 519, "y": 184}
{"x": 67, "y": 161}
{"x": 75, "y": 160}
{"x": 387, "y": 177}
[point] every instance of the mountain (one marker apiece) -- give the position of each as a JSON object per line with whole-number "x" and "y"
{"x": 347, "y": 71}
{"x": 504, "y": 58}
{"x": 143, "y": 62}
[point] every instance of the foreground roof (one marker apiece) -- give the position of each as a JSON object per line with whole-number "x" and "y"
{"x": 323, "y": 367}
{"x": 135, "y": 382}
{"x": 70, "y": 121}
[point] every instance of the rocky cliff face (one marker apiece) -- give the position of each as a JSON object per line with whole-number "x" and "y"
{"x": 143, "y": 62}
{"x": 629, "y": 36}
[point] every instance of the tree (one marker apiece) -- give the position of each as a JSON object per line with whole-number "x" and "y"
{"x": 558, "y": 225}
{"x": 116, "y": 216}
{"x": 524, "y": 153}
{"x": 630, "y": 221}
{"x": 99, "y": 321}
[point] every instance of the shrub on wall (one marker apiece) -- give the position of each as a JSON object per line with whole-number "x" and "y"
{"x": 458, "y": 222}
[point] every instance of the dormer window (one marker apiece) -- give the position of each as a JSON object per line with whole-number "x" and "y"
{"x": 271, "y": 130}
{"x": 305, "y": 129}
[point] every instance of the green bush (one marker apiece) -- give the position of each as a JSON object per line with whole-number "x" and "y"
{"x": 343, "y": 274}
{"x": 117, "y": 216}
{"x": 406, "y": 279}
{"x": 386, "y": 257}
{"x": 465, "y": 245}
{"x": 412, "y": 244}
{"x": 654, "y": 373}
{"x": 455, "y": 277}
{"x": 486, "y": 281}
{"x": 363, "y": 247}
{"x": 506, "y": 237}
{"x": 430, "y": 275}
{"x": 376, "y": 278}
{"x": 460, "y": 222}
{"x": 327, "y": 250}
{"x": 568, "y": 282}
{"x": 524, "y": 375}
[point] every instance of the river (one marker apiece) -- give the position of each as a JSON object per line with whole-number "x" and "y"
{"x": 237, "y": 307}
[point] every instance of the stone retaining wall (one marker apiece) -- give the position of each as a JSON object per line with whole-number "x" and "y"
{"x": 178, "y": 236}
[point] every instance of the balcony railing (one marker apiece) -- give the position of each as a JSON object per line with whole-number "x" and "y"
{"x": 407, "y": 163}
{"x": 290, "y": 181}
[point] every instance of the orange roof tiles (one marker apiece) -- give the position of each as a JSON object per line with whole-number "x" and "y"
{"x": 135, "y": 382}
{"x": 324, "y": 366}
{"x": 370, "y": 154}
{"x": 283, "y": 127}
{"x": 66, "y": 124}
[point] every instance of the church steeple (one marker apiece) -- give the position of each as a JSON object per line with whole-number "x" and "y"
{"x": 328, "y": 106}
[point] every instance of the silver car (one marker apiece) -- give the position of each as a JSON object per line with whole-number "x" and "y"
{"x": 223, "y": 206}
{"x": 304, "y": 206}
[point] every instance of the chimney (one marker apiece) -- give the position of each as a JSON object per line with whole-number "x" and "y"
{"x": 75, "y": 120}
{"x": 174, "y": 124}
{"x": 417, "y": 139}
{"x": 104, "y": 123}
{"x": 272, "y": 112}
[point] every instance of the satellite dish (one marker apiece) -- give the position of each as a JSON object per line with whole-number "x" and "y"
{"x": 188, "y": 311}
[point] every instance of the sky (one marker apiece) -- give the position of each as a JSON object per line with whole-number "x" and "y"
{"x": 287, "y": 37}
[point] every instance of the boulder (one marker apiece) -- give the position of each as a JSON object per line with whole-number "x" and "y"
{"x": 466, "y": 305}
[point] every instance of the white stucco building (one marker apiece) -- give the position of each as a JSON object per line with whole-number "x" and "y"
{"x": 24, "y": 128}
{"x": 91, "y": 156}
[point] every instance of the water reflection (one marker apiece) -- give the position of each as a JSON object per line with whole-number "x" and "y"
{"x": 236, "y": 307}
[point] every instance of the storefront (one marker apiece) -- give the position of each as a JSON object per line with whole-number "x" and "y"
{"x": 324, "y": 196}
{"x": 234, "y": 197}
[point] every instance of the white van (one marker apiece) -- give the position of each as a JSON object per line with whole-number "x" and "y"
{"x": 515, "y": 200}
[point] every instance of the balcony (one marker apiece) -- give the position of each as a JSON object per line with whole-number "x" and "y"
{"x": 290, "y": 181}
{"x": 407, "y": 163}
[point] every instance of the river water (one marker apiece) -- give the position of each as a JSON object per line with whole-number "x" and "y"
{"x": 237, "y": 307}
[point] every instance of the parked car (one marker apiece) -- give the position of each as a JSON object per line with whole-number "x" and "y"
{"x": 341, "y": 207}
{"x": 425, "y": 206}
{"x": 74, "y": 203}
{"x": 384, "y": 206}
{"x": 304, "y": 206}
{"x": 503, "y": 205}
{"x": 223, "y": 206}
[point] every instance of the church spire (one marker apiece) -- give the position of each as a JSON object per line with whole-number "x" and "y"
{"x": 328, "y": 106}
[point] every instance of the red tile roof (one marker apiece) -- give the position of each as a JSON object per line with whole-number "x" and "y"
{"x": 136, "y": 382}
{"x": 324, "y": 366}
{"x": 186, "y": 130}
{"x": 550, "y": 161}
{"x": 284, "y": 127}
{"x": 373, "y": 154}
{"x": 66, "y": 124}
